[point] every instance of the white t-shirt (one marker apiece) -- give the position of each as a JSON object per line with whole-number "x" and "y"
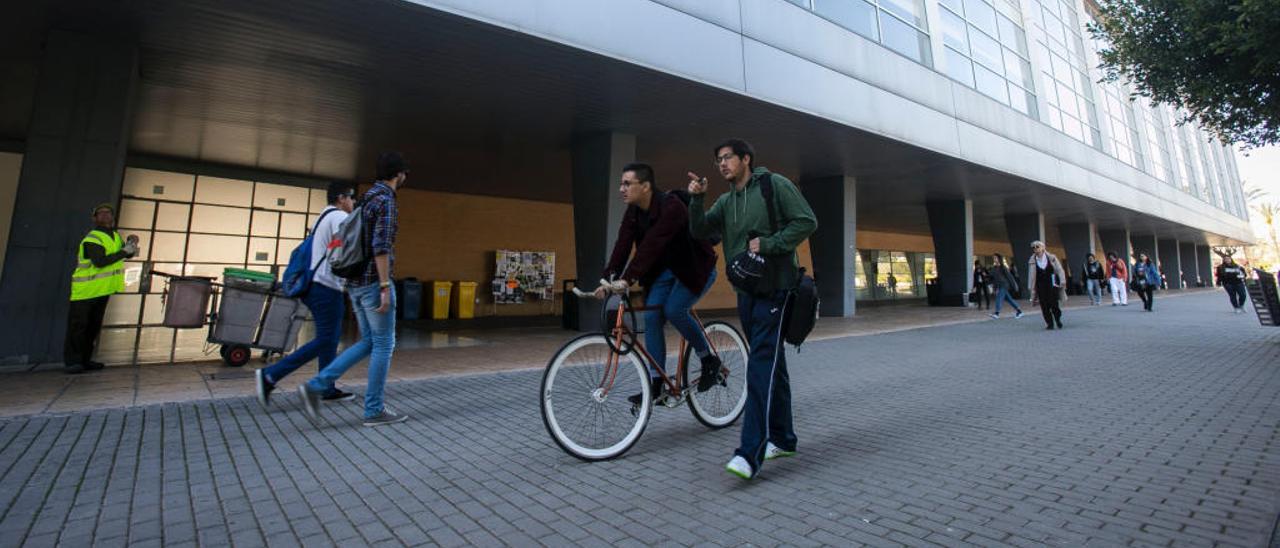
{"x": 320, "y": 243}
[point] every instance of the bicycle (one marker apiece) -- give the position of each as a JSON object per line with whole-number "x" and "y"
{"x": 584, "y": 389}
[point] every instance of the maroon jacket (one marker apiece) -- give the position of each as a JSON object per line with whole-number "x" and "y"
{"x": 662, "y": 242}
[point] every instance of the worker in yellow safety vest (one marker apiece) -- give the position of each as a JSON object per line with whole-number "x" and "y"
{"x": 99, "y": 273}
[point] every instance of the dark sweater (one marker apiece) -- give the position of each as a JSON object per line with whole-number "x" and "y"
{"x": 662, "y": 242}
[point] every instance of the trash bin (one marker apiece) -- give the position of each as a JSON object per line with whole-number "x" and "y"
{"x": 569, "y": 308}
{"x": 186, "y": 302}
{"x": 931, "y": 291}
{"x": 244, "y": 296}
{"x": 409, "y": 300}
{"x": 463, "y": 302}
{"x": 440, "y": 299}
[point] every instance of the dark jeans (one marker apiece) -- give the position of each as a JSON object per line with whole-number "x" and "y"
{"x": 327, "y": 309}
{"x": 1237, "y": 293}
{"x": 984, "y": 294}
{"x": 767, "y": 416}
{"x": 1002, "y": 295}
{"x": 1049, "y": 306}
{"x": 672, "y": 301}
{"x": 1148, "y": 296}
{"x": 84, "y": 322}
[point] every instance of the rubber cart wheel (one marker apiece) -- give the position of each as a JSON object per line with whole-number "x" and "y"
{"x": 237, "y": 356}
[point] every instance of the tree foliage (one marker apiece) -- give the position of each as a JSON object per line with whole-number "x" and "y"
{"x": 1218, "y": 60}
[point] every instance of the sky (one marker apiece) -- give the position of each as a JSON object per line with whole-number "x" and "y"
{"x": 1260, "y": 167}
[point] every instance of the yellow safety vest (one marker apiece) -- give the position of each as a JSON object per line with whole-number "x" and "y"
{"x": 89, "y": 281}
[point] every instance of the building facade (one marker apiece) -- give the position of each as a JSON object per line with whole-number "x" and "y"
{"x": 925, "y": 133}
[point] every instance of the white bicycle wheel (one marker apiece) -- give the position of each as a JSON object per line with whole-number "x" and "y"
{"x": 723, "y": 403}
{"x": 588, "y": 415}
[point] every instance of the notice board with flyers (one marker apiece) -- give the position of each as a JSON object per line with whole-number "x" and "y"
{"x": 521, "y": 275}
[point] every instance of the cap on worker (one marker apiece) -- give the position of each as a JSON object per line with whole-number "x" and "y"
{"x": 103, "y": 205}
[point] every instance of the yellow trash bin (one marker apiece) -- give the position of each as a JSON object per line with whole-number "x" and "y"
{"x": 440, "y": 300}
{"x": 464, "y": 300}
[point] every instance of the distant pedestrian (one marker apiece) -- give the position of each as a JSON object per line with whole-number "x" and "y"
{"x": 1117, "y": 279}
{"x": 1005, "y": 285}
{"x": 1093, "y": 276}
{"x": 1231, "y": 277}
{"x": 1145, "y": 280}
{"x": 1048, "y": 286}
{"x": 981, "y": 285}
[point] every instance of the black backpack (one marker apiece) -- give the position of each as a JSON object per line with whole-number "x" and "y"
{"x": 800, "y": 313}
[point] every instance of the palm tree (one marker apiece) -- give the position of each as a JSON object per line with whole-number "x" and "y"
{"x": 1269, "y": 212}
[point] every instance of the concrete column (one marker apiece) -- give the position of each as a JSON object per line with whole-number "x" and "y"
{"x": 1204, "y": 264}
{"x": 834, "y": 202}
{"x": 1187, "y": 256}
{"x": 1023, "y": 229}
{"x": 74, "y": 159}
{"x": 951, "y": 222}
{"x": 1170, "y": 262}
{"x": 1078, "y": 239}
{"x": 1116, "y": 241}
{"x": 597, "y": 167}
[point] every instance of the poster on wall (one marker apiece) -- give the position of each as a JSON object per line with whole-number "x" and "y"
{"x": 521, "y": 275}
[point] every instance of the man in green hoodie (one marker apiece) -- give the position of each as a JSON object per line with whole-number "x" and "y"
{"x": 742, "y": 216}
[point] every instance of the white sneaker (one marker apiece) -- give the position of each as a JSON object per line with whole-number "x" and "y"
{"x": 993, "y": 316}
{"x": 772, "y": 451}
{"x": 1018, "y": 315}
{"x": 738, "y": 466}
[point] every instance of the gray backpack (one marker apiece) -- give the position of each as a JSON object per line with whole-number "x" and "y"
{"x": 350, "y": 258}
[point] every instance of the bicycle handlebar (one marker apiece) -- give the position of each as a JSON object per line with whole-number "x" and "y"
{"x": 592, "y": 294}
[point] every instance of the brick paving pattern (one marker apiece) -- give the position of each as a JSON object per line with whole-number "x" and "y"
{"x": 1124, "y": 429}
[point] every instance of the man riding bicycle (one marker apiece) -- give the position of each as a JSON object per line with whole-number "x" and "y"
{"x": 676, "y": 268}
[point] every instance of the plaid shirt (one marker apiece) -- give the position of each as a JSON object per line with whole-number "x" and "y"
{"x": 378, "y": 207}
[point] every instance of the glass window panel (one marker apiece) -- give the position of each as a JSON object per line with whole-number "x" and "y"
{"x": 1075, "y": 49}
{"x": 284, "y": 249}
{"x": 318, "y": 200}
{"x": 956, "y": 6}
{"x": 1061, "y": 70}
{"x": 953, "y": 32}
{"x": 986, "y": 51}
{"x": 281, "y": 197}
{"x": 1020, "y": 100}
{"x": 1050, "y": 7}
{"x": 1009, "y": 9}
{"x": 123, "y": 309}
{"x": 136, "y": 214}
{"x": 157, "y": 282}
{"x": 155, "y": 344}
{"x": 152, "y": 309}
{"x": 115, "y": 345}
{"x": 801, "y": 3}
{"x": 1069, "y": 18}
{"x": 293, "y": 225}
{"x": 1073, "y": 127}
{"x": 905, "y": 39}
{"x": 1017, "y": 69}
{"x": 216, "y": 190}
{"x": 1054, "y": 117}
{"x": 981, "y": 14}
{"x": 991, "y": 84}
{"x": 1049, "y": 89}
{"x": 855, "y": 15}
{"x": 168, "y": 246}
{"x": 173, "y": 217}
{"x": 220, "y": 220}
{"x": 911, "y": 11}
{"x": 1068, "y": 102}
{"x": 959, "y": 67}
{"x": 208, "y": 248}
{"x": 262, "y": 250}
{"x": 160, "y": 185}
{"x": 1053, "y": 28}
{"x": 1011, "y": 35}
{"x": 265, "y": 223}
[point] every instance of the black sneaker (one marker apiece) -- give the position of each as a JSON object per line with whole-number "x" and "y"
{"x": 263, "y": 387}
{"x": 310, "y": 402}
{"x": 337, "y": 395}
{"x": 655, "y": 389}
{"x": 710, "y": 372}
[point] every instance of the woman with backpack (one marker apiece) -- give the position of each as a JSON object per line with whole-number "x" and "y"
{"x": 1005, "y": 285}
{"x": 1145, "y": 280}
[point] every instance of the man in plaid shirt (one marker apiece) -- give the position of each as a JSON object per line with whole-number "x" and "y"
{"x": 373, "y": 299}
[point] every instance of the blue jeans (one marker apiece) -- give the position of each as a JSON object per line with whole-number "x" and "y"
{"x": 377, "y": 340}
{"x": 674, "y": 300}
{"x": 1095, "y": 290}
{"x": 327, "y": 309}
{"x": 767, "y": 415}
{"x": 1003, "y": 295}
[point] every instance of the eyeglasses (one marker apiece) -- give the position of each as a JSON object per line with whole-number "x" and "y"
{"x": 722, "y": 159}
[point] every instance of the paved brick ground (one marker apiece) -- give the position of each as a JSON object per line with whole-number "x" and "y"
{"x": 1124, "y": 429}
